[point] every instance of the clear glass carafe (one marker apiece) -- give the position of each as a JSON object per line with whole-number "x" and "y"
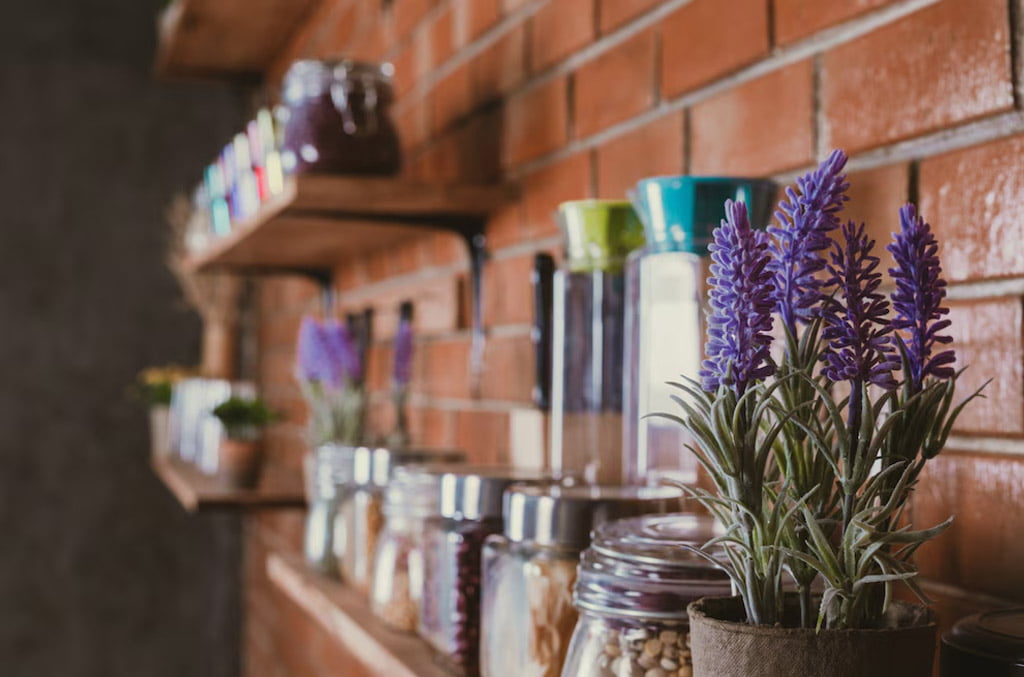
{"x": 635, "y": 581}
{"x": 527, "y": 614}
{"x": 588, "y": 339}
{"x": 664, "y": 318}
{"x": 328, "y": 471}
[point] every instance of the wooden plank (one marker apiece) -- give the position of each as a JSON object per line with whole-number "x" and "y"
{"x": 318, "y": 220}
{"x": 216, "y": 39}
{"x": 347, "y": 617}
{"x": 197, "y": 491}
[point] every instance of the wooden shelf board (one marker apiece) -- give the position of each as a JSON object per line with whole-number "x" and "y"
{"x": 226, "y": 39}
{"x": 319, "y": 219}
{"x": 197, "y": 491}
{"x": 347, "y": 617}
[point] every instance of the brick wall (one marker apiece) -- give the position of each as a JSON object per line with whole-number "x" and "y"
{"x": 580, "y": 98}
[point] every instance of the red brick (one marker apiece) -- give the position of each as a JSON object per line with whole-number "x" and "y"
{"x": 614, "y": 13}
{"x": 473, "y": 18}
{"x": 972, "y": 198}
{"x": 876, "y": 196}
{"x": 544, "y": 190}
{"x": 560, "y": 28}
{"x": 339, "y": 30}
{"x": 654, "y": 149}
{"x": 413, "y": 123}
{"x": 537, "y": 122}
{"x": 796, "y": 19}
{"x": 446, "y": 370}
{"x": 915, "y": 76}
{"x": 484, "y": 435}
{"x": 442, "y": 37}
{"x": 406, "y": 14}
{"x": 508, "y": 298}
{"x": 451, "y": 99}
{"x": 505, "y": 227}
{"x": 405, "y": 71}
{"x": 759, "y": 127}
{"x": 706, "y": 39}
{"x": 500, "y": 67}
{"x": 432, "y": 427}
{"x": 509, "y": 371}
{"x": 630, "y": 66}
{"x": 987, "y": 337}
{"x": 982, "y": 549}
{"x": 512, "y": 5}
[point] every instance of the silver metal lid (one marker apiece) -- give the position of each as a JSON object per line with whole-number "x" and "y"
{"x": 374, "y": 466}
{"x": 565, "y": 516}
{"x": 476, "y": 493}
{"x": 312, "y": 77}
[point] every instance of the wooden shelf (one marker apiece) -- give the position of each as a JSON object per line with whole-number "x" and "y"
{"x": 347, "y": 617}
{"x": 319, "y": 219}
{"x": 226, "y": 39}
{"x": 196, "y": 491}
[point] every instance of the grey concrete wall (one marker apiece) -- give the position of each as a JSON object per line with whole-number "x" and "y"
{"x": 101, "y": 573}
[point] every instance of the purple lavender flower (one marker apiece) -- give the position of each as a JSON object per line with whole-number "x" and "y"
{"x": 403, "y": 354}
{"x": 343, "y": 349}
{"x": 858, "y": 347}
{"x": 807, "y": 218}
{"x": 917, "y": 299}
{"x": 314, "y": 363}
{"x": 741, "y": 304}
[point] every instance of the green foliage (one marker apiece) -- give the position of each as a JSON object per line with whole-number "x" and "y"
{"x": 243, "y": 418}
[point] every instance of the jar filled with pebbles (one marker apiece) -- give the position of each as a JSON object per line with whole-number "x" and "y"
{"x": 528, "y": 615}
{"x": 470, "y": 511}
{"x": 634, "y": 583}
{"x": 360, "y": 514}
{"x": 328, "y": 475}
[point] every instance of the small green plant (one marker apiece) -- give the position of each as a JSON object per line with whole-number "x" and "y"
{"x": 156, "y": 384}
{"x": 244, "y": 418}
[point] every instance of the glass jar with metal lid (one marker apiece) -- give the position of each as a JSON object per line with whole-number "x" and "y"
{"x": 360, "y": 514}
{"x": 335, "y": 118}
{"x": 528, "y": 615}
{"x": 397, "y": 587}
{"x": 470, "y": 511}
{"x": 634, "y": 583}
{"x": 328, "y": 473}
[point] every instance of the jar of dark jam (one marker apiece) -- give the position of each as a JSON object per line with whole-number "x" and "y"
{"x": 335, "y": 118}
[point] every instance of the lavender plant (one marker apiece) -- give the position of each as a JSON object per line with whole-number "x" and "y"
{"x": 329, "y": 371}
{"x": 400, "y": 377}
{"x": 814, "y": 459}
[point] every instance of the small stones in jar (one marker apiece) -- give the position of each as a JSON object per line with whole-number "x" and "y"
{"x": 642, "y": 652}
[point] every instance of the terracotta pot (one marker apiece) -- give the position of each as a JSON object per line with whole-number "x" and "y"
{"x": 240, "y": 462}
{"x": 159, "y": 431}
{"x": 725, "y": 646}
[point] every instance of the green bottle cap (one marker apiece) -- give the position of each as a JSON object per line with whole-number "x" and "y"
{"x": 599, "y": 234}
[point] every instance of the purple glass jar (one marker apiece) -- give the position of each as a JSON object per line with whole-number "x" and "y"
{"x": 470, "y": 511}
{"x": 335, "y": 118}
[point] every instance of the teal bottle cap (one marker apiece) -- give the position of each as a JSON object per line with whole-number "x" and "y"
{"x": 679, "y": 213}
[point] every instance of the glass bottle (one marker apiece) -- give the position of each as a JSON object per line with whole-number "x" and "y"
{"x": 528, "y": 615}
{"x": 360, "y": 514}
{"x": 328, "y": 473}
{"x": 588, "y": 339}
{"x": 470, "y": 511}
{"x": 335, "y": 117}
{"x": 664, "y": 319}
{"x": 634, "y": 584}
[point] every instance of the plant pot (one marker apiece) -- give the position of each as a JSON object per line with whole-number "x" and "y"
{"x": 240, "y": 463}
{"x": 723, "y": 645}
{"x": 159, "y": 431}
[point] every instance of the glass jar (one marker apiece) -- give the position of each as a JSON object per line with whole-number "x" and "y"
{"x": 410, "y": 500}
{"x": 527, "y": 614}
{"x": 587, "y": 342}
{"x": 470, "y": 511}
{"x": 328, "y": 474}
{"x": 634, "y": 583}
{"x": 664, "y": 318}
{"x": 335, "y": 118}
{"x": 360, "y": 514}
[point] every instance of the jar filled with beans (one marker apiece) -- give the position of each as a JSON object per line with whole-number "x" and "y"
{"x": 634, "y": 584}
